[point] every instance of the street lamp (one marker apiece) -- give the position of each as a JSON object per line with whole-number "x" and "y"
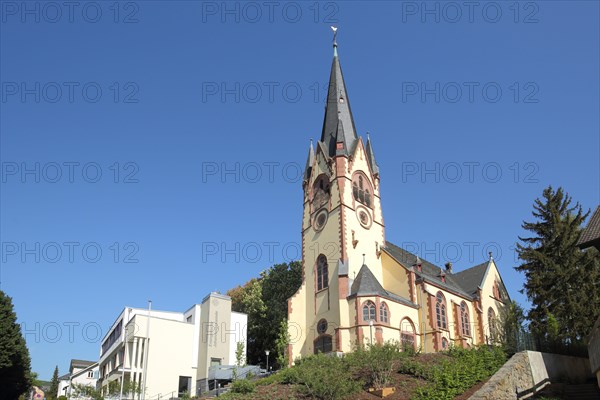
{"x": 267, "y": 352}
{"x": 371, "y": 330}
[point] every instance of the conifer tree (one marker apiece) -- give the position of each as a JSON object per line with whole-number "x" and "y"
{"x": 562, "y": 281}
{"x": 15, "y": 370}
{"x": 53, "y": 392}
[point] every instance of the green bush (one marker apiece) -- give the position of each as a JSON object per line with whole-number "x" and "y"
{"x": 242, "y": 386}
{"x": 62, "y": 397}
{"x": 271, "y": 379}
{"x": 376, "y": 363}
{"x": 324, "y": 377}
{"x": 454, "y": 376}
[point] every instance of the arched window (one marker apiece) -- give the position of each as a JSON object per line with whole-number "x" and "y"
{"x": 496, "y": 292}
{"x": 384, "y": 313}
{"x": 440, "y": 311}
{"x": 492, "y": 324}
{"x": 361, "y": 190}
{"x": 322, "y": 326}
{"x": 407, "y": 334}
{"x": 322, "y": 273}
{"x": 444, "y": 344}
{"x": 464, "y": 319}
{"x": 320, "y": 192}
{"x": 369, "y": 311}
{"x": 323, "y": 344}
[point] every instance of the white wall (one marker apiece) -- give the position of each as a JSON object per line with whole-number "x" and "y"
{"x": 239, "y": 322}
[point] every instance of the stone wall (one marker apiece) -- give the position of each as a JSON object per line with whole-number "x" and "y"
{"x": 528, "y": 372}
{"x": 514, "y": 376}
{"x": 594, "y": 350}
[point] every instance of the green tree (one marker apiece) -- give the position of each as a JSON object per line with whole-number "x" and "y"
{"x": 509, "y": 327}
{"x": 562, "y": 281}
{"x": 264, "y": 299}
{"x": 239, "y": 358}
{"x": 15, "y": 364}
{"x": 53, "y": 392}
{"x": 281, "y": 344}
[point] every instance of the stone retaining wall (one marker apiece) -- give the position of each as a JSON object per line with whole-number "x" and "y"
{"x": 528, "y": 372}
{"x": 516, "y": 373}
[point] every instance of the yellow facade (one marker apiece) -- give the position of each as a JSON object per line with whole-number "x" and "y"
{"x": 357, "y": 288}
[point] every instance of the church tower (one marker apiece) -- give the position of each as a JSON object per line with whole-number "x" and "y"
{"x": 342, "y": 229}
{"x": 358, "y": 288}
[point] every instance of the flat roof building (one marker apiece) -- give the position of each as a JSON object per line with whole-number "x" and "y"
{"x": 170, "y": 353}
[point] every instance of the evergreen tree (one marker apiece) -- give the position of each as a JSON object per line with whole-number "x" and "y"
{"x": 15, "y": 364}
{"x": 509, "y": 327}
{"x": 562, "y": 281}
{"x": 53, "y": 392}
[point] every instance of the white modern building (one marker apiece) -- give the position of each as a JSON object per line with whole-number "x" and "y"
{"x": 170, "y": 353}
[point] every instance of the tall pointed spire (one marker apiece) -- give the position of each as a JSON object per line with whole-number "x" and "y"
{"x": 371, "y": 156}
{"x": 338, "y": 112}
{"x": 309, "y": 161}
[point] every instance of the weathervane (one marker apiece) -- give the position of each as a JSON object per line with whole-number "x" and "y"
{"x": 334, "y": 29}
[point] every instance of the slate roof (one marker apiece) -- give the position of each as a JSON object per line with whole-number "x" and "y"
{"x": 365, "y": 284}
{"x": 371, "y": 157}
{"x": 591, "y": 233}
{"x": 470, "y": 279}
{"x": 309, "y": 161}
{"x": 461, "y": 283}
{"x": 338, "y": 123}
{"x": 64, "y": 377}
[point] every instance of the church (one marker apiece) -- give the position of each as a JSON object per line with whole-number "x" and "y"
{"x": 357, "y": 287}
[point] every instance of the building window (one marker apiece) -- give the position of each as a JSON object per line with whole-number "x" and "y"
{"x": 320, "y": 192}
{"x": 113, "y": 337}
{"x": 323, "y": 344}
{"x": 90, "y": 374}
{"x": 369, "y": 311}
{"x": 496, "y": 291}
{"x": 407, "y": 334}
{"x": 322, "y": 273}
{"x": 361, "y": 190}
{"x": 492, "y": 324}
{"x": 464, "y": 319}
{"x": 322, "y": 326}
{"x": 440, "y": 311}
{"x": 185, "y": 385}
{"x": 444, "y": 344}
{"x": 383, "y": 313}
{"x": 214, "y": 362}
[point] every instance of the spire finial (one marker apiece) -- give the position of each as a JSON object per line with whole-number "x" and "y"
{"x": 363, "y": 259}
{"x": 368, "y": 136}
{"x": 334, "y": 29}
{"x": 491, "y": 257}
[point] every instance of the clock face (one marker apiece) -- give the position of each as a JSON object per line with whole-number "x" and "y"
{"x": 320, "y": 219}
{"x": 364, "y": 216}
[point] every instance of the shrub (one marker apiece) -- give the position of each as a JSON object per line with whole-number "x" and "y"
{"x": 376, "y": 363}
{"x": 464, "y": 369}
{"x": 289, "y": 376}
{"x": 62, "y": 397}
{"x": 324, "y": 377}
{"x": 271, "y": 379}
{"x": 242, "y": 386}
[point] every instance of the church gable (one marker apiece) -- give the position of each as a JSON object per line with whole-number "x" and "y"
{"x": 359, "y": 161}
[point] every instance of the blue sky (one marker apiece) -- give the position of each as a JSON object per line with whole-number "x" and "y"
{"x": 163, "y": 141}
